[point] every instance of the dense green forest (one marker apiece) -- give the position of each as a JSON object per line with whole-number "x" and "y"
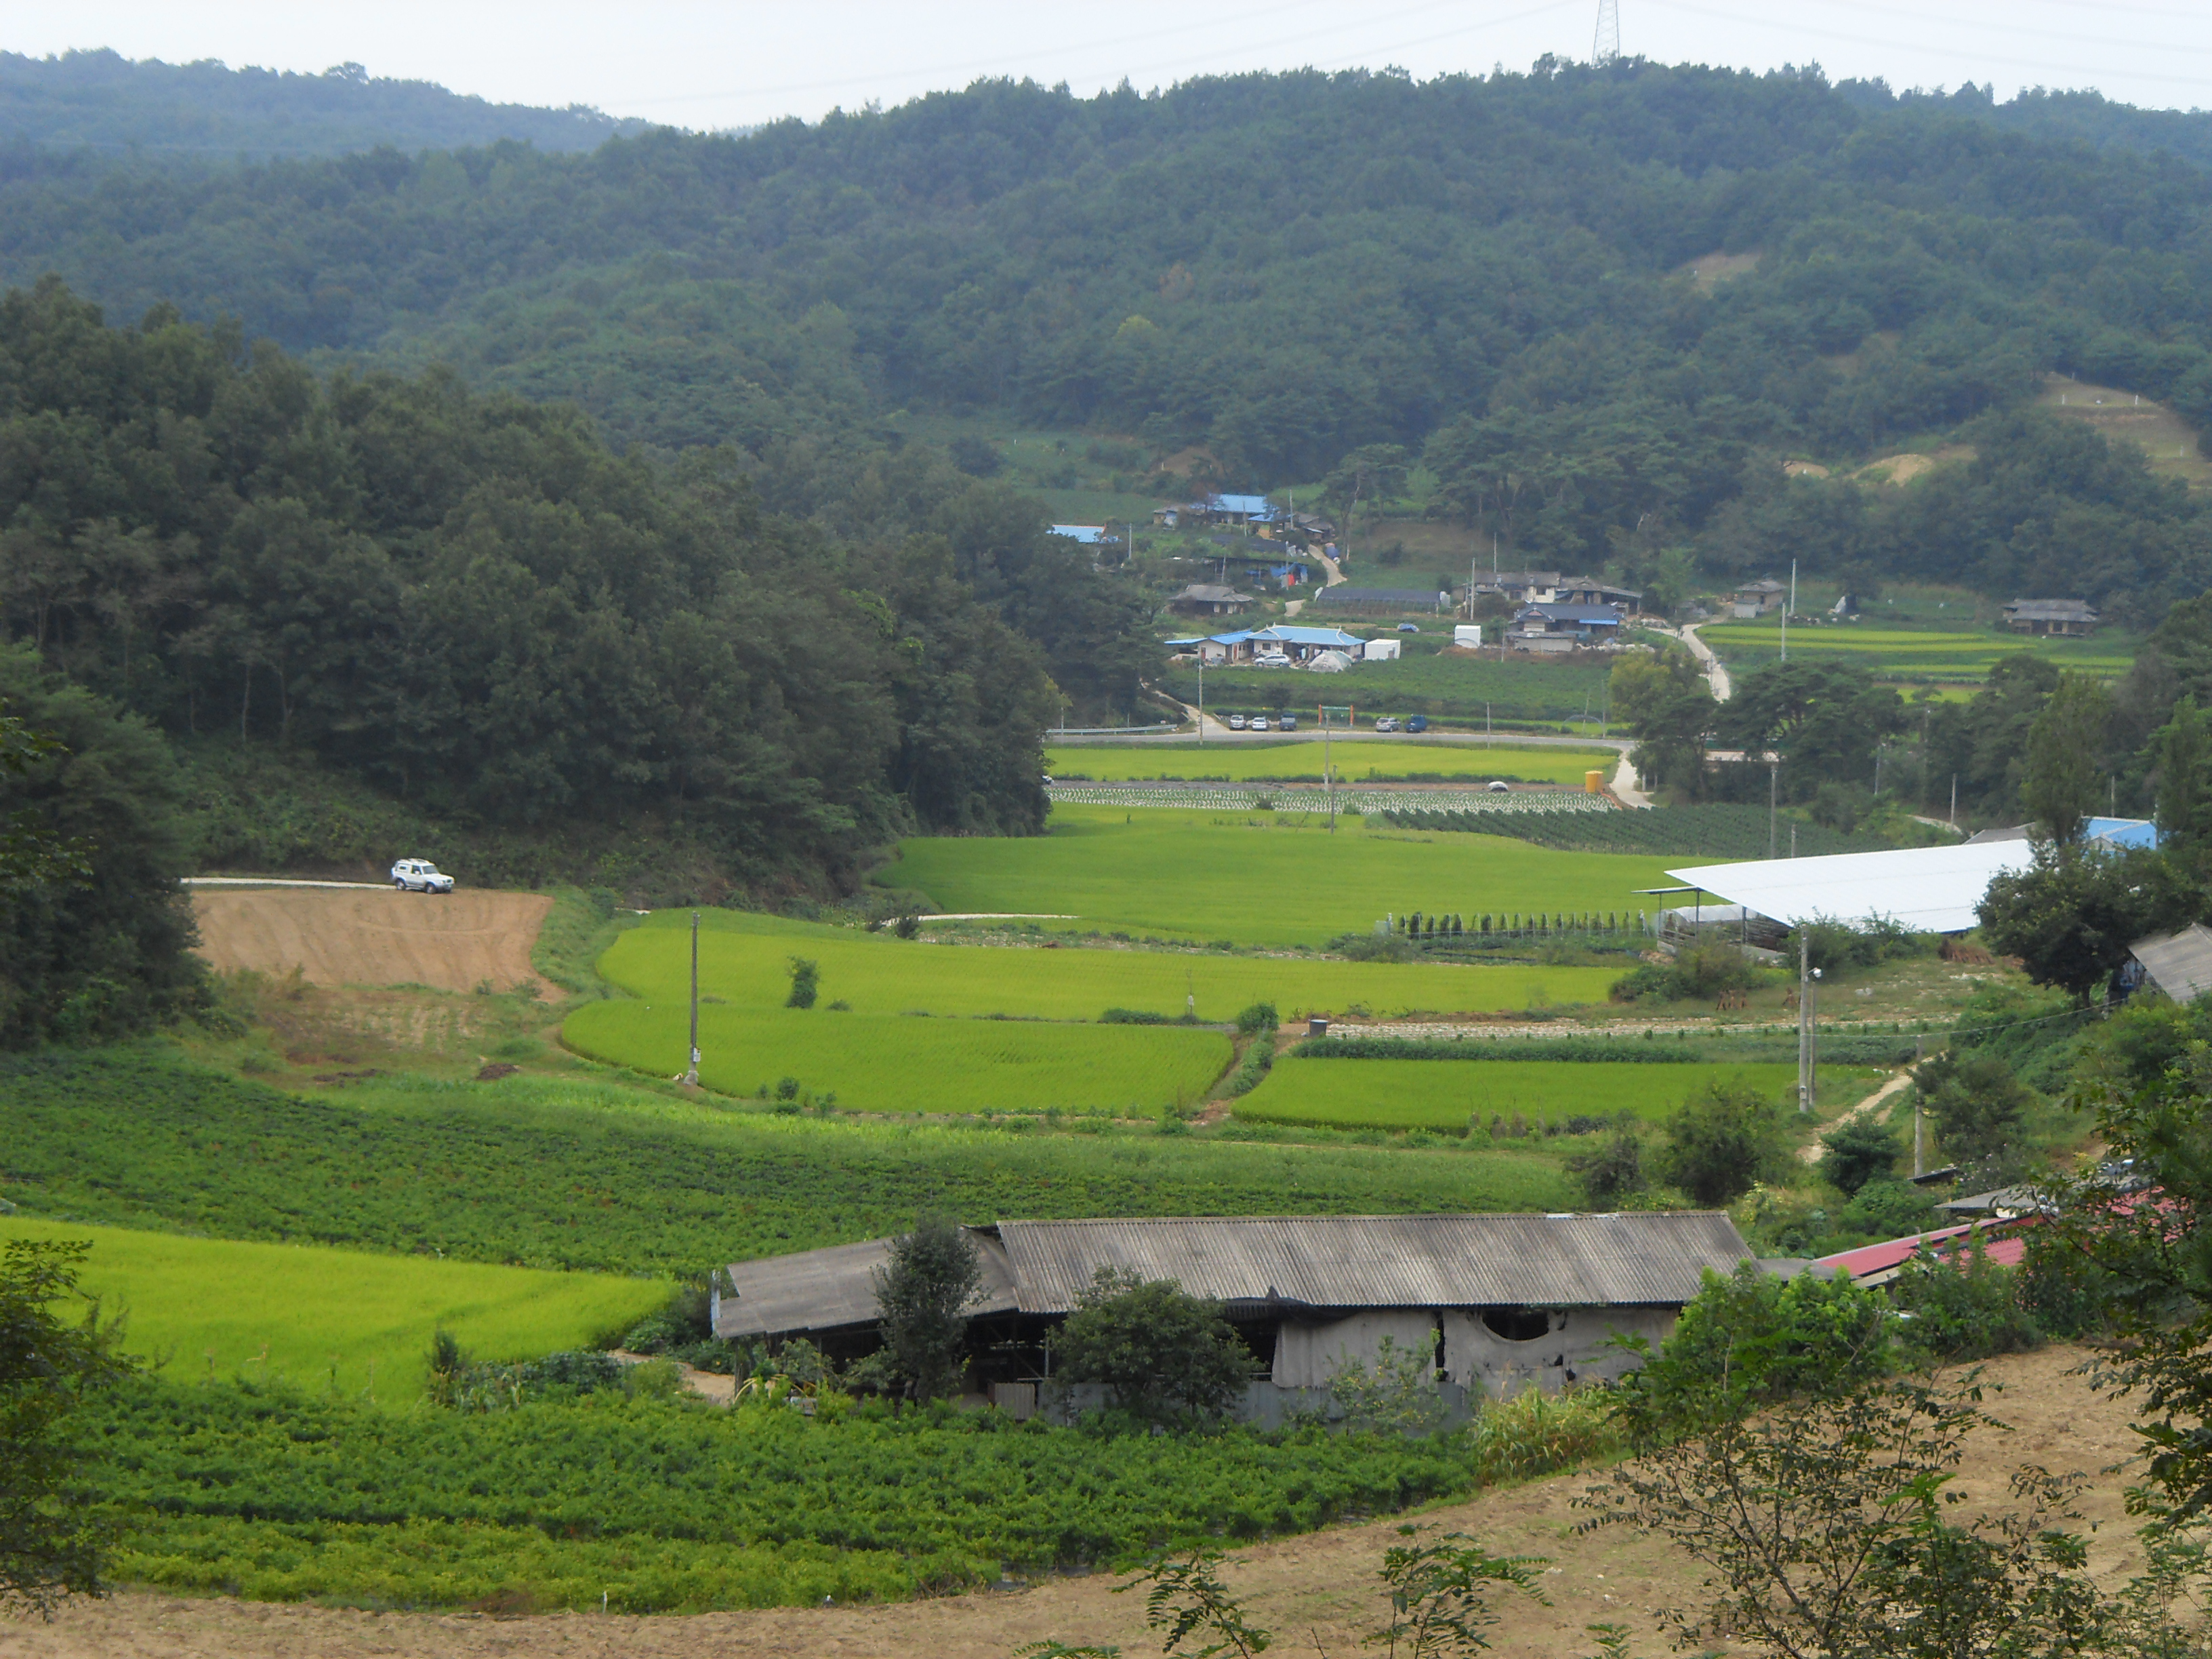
{"x": 103, "y": 102}
{"x": 1279, "y": 269}
{"x": 471, "y": 604}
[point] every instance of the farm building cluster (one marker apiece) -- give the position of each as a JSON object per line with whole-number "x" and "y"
{"x": 1497, "y": 1303}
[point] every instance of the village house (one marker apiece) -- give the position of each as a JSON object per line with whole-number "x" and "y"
{"x": 2074, "y": 619}
{"x": 1498, "y": 1302}
{"x": 1206, "y": 600}
{"x": 1547, "y": 588}
{"x": 1758, "y": 599}
{"x": 1238, "y": 510}
{"x": 1344, "y": 597}
{"x": 1551, "y": 627}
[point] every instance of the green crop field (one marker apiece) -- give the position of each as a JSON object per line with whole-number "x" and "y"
{"x": 1258, "y": 878}
{"x": 583, "y": 1174}
{"x": 331, "y": 1319}
{"x": 1522, "y": 688}
{"x": 894, "y": 1063}
{"x": 744, "y": 961}
{"x": 1444, "y": 1095}
{"x": 1356, "y": 761}
{"x": 1913, "y": 655}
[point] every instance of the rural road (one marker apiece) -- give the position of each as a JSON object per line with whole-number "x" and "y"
{"x": 1716, "y": 674}
{"x": 1292, "y": 607}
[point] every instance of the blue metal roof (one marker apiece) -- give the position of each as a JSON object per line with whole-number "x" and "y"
{"x": 1088, "y": 534}
{"x": 1241, "y": 504}
{"x": 1335, "y": 636}
{"x": 2122, "y": 832}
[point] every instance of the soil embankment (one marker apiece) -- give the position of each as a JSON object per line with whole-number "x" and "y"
{"x": 1322, "y": 1584}
{"x": 453, "y": 942}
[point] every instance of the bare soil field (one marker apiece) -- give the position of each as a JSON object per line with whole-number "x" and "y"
{"x": 1317, "y": 1591}
{"x": 453, "y": 942}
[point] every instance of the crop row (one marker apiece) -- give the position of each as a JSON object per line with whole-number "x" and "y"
{"x": 1715, "y": 831}
{"x": 576, "y": 1174}
{"x": 1459, "y": 1100}
{"x": 217, "y": 1477}
{"x": 1295, "y": 797}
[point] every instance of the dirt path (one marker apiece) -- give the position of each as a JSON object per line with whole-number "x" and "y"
{"x": 376, "y": 936}
{"x": 1324, "y": 1581}
{"x": 1811, "y": 1150}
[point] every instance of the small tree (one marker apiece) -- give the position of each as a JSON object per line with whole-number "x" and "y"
{"x": 922, "y": 1299}
{"x": 1720, "y": 1142}
{"x": 2063, "y": 746}
{"x": 1440, "y": 1594}
{"x": 49, "y": 1545}
{"x": 1857, "y": 1152}
{"x": 805, "y": 980}
{"x": 1978, "y": 1103}
{"x": 1160, "y": 1352}
{"x": 1611, "y": 1170}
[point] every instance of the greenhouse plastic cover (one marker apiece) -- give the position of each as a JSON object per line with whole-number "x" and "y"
{"x": 1929, "y": 890}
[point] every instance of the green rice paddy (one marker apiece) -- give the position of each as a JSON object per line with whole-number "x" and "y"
{"x": 1522, "y": 688}
{"x": 1258, "y": 878}
{"x": 1446, "y": 1095}
{"x": 1913, "y": 655}
{"x": 894, "y": 1063}
{"x": 743, "y": 962}
{"x": 355, "y": 1324}
{"x": 1356, "y": 761}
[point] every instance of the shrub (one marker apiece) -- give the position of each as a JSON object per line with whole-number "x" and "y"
{"x": 1132, "y": 1016}
{"x": 805, "y": 981}
{"x": 1888, "y": 1208}
{"x": 1161, "y": 1353}
{"x": 1260, "y": 1017}
{"x": 1398, "y": 1395}
{"x": 1978, "y": 1103}
{"x": 1837, "y": 947}
{"x": 1720, "y": 1142}
{"x": 1610, "y": 1171}
{"x": 1962, "y": 1309}
{"x": 2060, "y": 1287}
{"x": 923, "y": 1296}
{"x": 1702, "y": 972}
{"x": 1859, "y": 1152}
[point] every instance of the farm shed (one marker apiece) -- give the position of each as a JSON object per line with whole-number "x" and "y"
{"x": 1392, "y": 600}
{"x": 1501, "y": 1302}
{"x": 2074, "y": 619}
{"x": 1208, "y": 599}
{"x": 2179, "y": 964}
{"x": 1757, "y": 599}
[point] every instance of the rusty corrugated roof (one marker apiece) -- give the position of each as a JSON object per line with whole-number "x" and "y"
{"x": 1383, "y": 1261}
{"x": 827, "y": 1290}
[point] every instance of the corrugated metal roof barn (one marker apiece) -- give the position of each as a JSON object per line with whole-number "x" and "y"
{"x": 1288, "y": 1264}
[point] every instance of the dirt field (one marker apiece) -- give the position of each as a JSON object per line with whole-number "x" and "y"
{"x": 1322, "y": 1584}
{"x": 453, "y": 942}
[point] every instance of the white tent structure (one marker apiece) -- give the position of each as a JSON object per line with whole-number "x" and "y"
{"x": 1929, "y": 890}
{"x": 1329, "y": 662}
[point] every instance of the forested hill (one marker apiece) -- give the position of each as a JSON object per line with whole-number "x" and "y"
{"x": 539, "y": 648}
{"x": 163, "y": 112}
{"x": 1280, "y": 268}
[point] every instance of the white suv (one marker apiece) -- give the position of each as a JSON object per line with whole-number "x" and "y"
{"x": 421, "y": 876}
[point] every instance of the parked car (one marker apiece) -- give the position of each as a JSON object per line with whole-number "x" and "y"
{"x": 1236, "y": 722}
{"x": 1409, "y": 627}
{"x": 420, "y": 876}
{"x": 1418, "y": 723}
{"x": 1498, "y": 787}
{"x": 1046, "y": 780}
{"x": 1286, "y": 723}
{"x": 1272, "y": 660}
{"x": 1388, "y": 723}
{"x": 1259, "y": 723}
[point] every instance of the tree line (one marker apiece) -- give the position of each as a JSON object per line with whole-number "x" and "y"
{"x": 1485, "y": 271}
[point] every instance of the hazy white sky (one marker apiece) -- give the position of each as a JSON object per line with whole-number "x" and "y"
{"x": 699, "y": 64}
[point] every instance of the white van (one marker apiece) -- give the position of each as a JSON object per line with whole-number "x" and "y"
{"x": 420, "y": 876}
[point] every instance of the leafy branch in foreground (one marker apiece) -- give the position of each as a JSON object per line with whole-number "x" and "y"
{"x": 49, "y": 1546}
{"x": 1440, "y": 1594}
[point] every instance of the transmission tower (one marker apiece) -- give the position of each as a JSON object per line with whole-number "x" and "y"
{"x": 1606, "y": 46}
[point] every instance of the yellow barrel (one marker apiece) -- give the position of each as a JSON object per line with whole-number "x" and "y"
{"x": 1593, "y": 782}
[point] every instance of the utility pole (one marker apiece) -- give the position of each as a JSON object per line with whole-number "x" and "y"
{"x": 691, "y": 1073}
{"x": 1954, "y": 800}
{"x": 1328, "y": 773}
{"x": 1787, "y": 608}
{"x": 1805, "y": 978}
{"x": 1201, "y": 696}
{"x": 1919, "y": 1141}
{"x": 1773, "y": 785}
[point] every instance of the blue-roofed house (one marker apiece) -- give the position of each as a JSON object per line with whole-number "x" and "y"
{"x": 1091, "y": 535}
{"x": 1304, "y": 644}
{"x": 1217, "y": 509}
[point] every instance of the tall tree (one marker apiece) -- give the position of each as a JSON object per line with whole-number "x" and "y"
{"x": 922, "y": 1299}
{"x": 2065, "y": 751}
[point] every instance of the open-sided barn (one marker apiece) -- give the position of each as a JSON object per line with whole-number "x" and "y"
{"x": 1502, "y": 1302}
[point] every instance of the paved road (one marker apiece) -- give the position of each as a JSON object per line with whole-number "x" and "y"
{"x": 1716, "y": 675}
